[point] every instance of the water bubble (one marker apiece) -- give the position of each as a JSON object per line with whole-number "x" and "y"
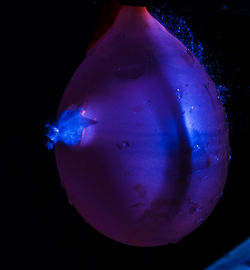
{"x": 191, "y": 109}
{"x": 179, "y": 93}
{"x": 224, "y": 93}
{"x": 196, "y": 147}
{"x": 122, "y": 145}
{"x": 198, "y": 209}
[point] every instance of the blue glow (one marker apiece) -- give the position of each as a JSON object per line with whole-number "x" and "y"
{"x": 237, "y": 259}
{"x": 68, "y": 128}
{"x": 180, "y": 29}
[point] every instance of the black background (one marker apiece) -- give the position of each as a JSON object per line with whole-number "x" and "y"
{"x": 48, "y": 42}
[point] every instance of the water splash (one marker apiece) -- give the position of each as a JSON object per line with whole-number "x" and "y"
{"x": 68, "y": 128}
{"x": 181, "y": 30}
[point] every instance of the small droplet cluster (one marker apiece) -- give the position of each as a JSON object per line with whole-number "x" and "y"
{"x": 181, "y": 30}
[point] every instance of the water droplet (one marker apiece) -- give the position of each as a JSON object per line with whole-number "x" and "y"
{"x": 198, "y": 209}
{"x": 122, "y": 145}
{"x": 191, "y": 109}
{"x": 196, "y": 147}
{"x": 179, "y": 93}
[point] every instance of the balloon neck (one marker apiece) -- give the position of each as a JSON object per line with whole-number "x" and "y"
{"x": 132, "y": 17}
{"x": 132, "y": 11}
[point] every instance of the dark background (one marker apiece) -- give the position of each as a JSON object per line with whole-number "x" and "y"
{"x": 48, "y": 43}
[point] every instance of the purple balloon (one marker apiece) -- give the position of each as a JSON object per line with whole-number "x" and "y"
{"x": 152, "y": 167}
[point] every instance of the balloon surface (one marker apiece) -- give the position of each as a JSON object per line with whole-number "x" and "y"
{"x": 152, "y": 152}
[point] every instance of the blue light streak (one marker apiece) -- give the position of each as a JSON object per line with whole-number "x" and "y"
{"x": 237, "y": 259}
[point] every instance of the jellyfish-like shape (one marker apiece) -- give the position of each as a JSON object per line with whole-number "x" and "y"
{"x": 152, "y": 167}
